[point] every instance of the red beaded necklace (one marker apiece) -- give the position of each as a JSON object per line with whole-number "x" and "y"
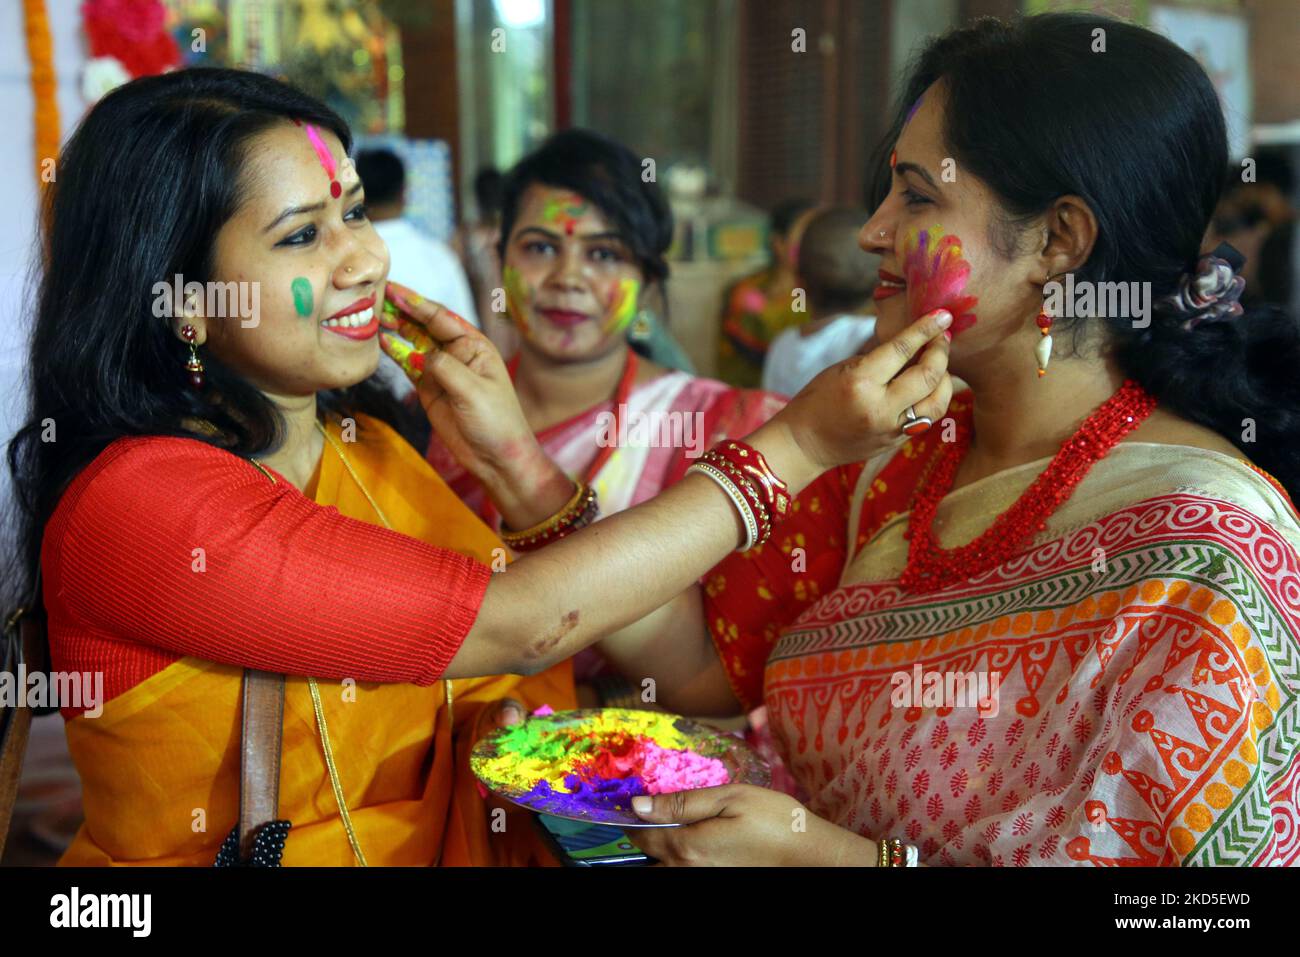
{"x": 930, "y": 567}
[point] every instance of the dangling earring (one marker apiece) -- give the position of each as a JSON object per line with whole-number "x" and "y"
{"x": 193, "y": 365}
{"x": 1043, "y": 351}
{"x": 642, "y": 326}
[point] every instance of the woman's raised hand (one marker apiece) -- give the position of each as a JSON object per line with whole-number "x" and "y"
{"x": 466, "y": 392}
{"x": 470, "y": 402}
{"x": 856, "y": 408}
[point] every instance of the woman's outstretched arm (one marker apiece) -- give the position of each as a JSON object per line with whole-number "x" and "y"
{"x": 553, "y": 603}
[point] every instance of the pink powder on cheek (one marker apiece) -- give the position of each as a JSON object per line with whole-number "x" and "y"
{"x": 936, "y": 274}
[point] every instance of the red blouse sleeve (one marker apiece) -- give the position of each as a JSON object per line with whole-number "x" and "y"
{"x": 752, "y": 595}
{"x": 178, "y": 545}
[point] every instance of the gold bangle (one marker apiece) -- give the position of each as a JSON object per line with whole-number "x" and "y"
{"x": 581, "y": 502}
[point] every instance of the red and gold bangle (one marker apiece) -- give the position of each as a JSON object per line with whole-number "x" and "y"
{"x": 894, "y": 853}
{"x": 581, "y": 510}
{"x": 750, "y": 461}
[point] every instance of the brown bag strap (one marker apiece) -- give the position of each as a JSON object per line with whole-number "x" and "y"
{"x": 23, "y": 643}
{"x": 259, "y": 764}
{"x": 259, "y": 761}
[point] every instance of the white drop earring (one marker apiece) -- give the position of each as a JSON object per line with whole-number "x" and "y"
{"x": 1043, "y": 350}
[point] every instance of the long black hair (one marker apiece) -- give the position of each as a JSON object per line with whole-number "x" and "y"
{"x": 143, "y": 187}
{"x": 1037, "y": 110}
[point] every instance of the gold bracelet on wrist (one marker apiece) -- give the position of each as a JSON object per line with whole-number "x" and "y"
{"x": 581, "y": 510}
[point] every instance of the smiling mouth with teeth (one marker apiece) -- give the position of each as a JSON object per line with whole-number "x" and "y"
{"x": 889, "y": 285}
{"x": 355, "y": 325}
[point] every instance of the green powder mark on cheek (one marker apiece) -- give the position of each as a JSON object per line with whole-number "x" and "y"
{"x": 302, "y": 297}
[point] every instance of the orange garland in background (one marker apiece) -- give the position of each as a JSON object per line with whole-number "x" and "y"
{"x": 40, "y": 50}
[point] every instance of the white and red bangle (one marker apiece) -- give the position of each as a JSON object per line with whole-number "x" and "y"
{"x": 760, "y": 497}
{"x": 747, "y": 517}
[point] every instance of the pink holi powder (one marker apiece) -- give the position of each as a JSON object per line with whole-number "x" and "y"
{"x": 936, "y": 275}
{"x": 665, "y": 770}
{"x": 543, "y": 711}
{"x": 661, "y": 769}
{"x": 322, "y": 151}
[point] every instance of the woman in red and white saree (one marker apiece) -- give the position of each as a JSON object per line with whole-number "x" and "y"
{"x": 1126, "y": 688}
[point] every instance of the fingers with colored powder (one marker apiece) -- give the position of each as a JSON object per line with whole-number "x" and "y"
{"x": 404, "y": 354}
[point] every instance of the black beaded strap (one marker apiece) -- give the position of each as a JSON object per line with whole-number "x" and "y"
{"x": 268, "y": 846}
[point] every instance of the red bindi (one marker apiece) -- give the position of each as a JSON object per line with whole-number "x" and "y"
{"x": 335, "y": 189}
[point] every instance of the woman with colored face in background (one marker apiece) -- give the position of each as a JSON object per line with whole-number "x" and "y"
{"x": 583, "y": 238}
{"x": 1062, "y": 626}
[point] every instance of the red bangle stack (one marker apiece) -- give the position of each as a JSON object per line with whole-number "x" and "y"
{"x": 759, "y": 495}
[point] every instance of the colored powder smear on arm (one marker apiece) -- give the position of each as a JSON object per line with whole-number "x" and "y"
{"x": 601, "y": 764}
{"x": 936, "y": 274}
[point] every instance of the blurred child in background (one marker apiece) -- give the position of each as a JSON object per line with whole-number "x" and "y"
{"x": 838, "y": 279}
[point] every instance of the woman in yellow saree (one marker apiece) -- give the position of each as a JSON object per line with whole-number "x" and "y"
{"x": 369, "y": 473}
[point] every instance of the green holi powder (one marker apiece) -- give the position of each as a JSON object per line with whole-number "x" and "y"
{"x": 566, "y": 208}
{"x": 302, "y": 296}
{"x": 624, "y": 308}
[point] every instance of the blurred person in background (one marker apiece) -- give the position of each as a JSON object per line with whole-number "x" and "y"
{"x": 1250, "y": 212}
{"x": 475, "y": 243}
{"x": 759, "y": 307}
{"x": 418, "y": 260}
{"x": 583, "y": 239}
{"x": 1275, "y": 277}
{"x": 838, "y": 279}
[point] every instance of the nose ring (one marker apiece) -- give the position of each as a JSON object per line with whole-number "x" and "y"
{"x": 882, "y": 234}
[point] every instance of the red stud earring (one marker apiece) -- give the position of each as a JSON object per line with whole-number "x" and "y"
{"x": 193, "y": 365}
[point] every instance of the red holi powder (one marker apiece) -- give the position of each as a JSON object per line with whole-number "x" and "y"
{"x": 662, "y": 769}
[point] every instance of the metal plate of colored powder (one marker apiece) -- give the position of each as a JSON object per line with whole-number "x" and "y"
{"x": 587, "y": 765}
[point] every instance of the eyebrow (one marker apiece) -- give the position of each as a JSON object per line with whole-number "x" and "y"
{"x": 299, "y": 210}
{"x": 551, "y": 234}
{"x": 920, "y": 171}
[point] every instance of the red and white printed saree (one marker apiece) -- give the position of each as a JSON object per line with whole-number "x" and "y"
{"x": 1144, "y": 651}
